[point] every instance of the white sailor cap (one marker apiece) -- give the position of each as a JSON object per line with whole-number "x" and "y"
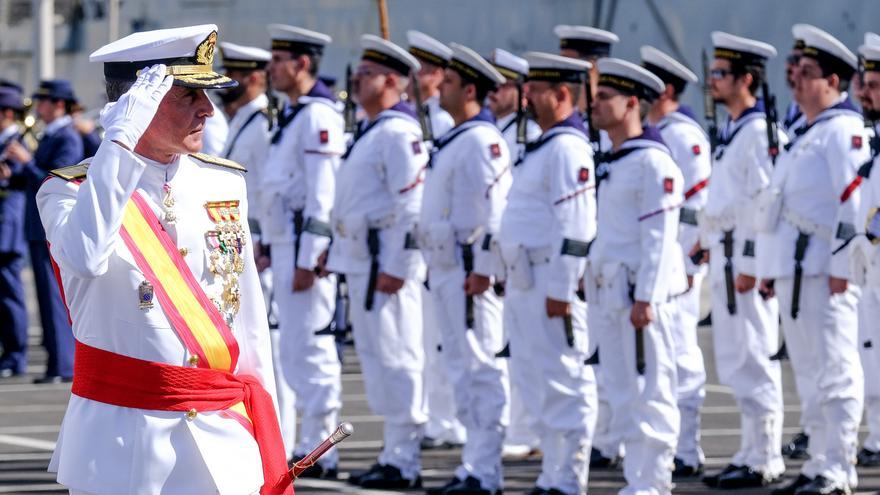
{"x": 297, "y": 40}
{"x": 388, "y": 54}
{"x": 668, "y": 69}
{"x": 240, "y": 57}
{"x": 826, "y": 49}
{"x": 629, "y": 79}
{"x": 187, "y": 52}
{"x": 870, "y": 53}
{"x": 741, "y": 50}
{"x": 509, "y": 65}
{"x": 474, "y": 68}
{"x": 555, "y": 68}
{"x": 427, "y": 49}
{"x": 585, "y": 40}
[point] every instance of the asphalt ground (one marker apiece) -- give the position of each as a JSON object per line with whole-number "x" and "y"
{"x": 30, "y": 416}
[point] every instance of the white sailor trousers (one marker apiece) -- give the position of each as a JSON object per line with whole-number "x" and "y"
{"x": 645, "y": 406}
{"x": 478, "y": 378}
{"x": 388, "y": 340}
{"x": 691, "y": 373}
{"x": 443, "y": 424}
{"x": 561, "y": 390}
{"x": 309, "y": 361}
{"x": 743, "y": 343}
{"x": 822, "y": 344}
{"x": 869, "y": 353}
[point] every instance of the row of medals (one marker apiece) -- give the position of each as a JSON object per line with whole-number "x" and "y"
{"x": 225, "y": 260}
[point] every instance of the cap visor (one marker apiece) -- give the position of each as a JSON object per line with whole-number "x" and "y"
{"x": 207, "y": 80}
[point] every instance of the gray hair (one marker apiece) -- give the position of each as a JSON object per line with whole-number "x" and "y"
{"x": 116, "y": 88}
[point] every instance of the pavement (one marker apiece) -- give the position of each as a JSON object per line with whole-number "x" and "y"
{"x": 30, "y": 416}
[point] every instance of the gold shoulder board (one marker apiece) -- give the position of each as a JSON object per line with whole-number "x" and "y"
{"x": 74, "y": 172}
{"x": 216, "y": 160}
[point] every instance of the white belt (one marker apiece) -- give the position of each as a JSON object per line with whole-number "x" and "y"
{"x": 383, "y": 223}
{"x": 716, "y": 223}
{"x": 805, "y": 225}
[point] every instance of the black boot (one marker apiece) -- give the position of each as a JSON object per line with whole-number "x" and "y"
{"x": 467, "y": 486}
{"x": 793, "y": 487}
{"x": 599, "y": 461}
{"x": 796, "y": 448}
{"x": 868, "y": 458}
{"x": 387, "y": 477}
{"x": 682, "y": 471}
{"x": 745, "y": 478}
{"x": 711, "y": 480}
{"x": 821, "y": 485}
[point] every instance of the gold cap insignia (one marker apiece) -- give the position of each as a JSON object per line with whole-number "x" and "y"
{"x": 205, "y": 50}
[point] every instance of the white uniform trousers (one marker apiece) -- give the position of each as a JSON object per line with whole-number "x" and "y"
{"x": 608, "y": 439}
{"x": 869, "y": 353}
{"x": 822, "y": 344}
{"x": 442, "y": 423}
{"x": 743, "y": 344}
{"x": 691, "y": 373}
{"x": 561, "y": 390}
{"x": 647, "y": 411}
{"x": 522, "y": 431}
{"x": 310, "y": 362}
{"x": 283, "y": 390}
{"x": 478, "y": 378}
{"x": 388, "y": 340}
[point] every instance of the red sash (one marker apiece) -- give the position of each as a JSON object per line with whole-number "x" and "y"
{"x": 125, "y": 381}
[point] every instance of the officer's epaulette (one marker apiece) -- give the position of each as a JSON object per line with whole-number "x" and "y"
{"x": 74, "y": 172}
{"x": 216, "y": 160}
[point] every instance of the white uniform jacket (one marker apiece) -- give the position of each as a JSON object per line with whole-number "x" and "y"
{"x": 813, "y": 177}
{"x": 103, "y": 448}
{"x": 300, "y": 173}
{"x": 640, "y": 193}
{"x": 248, "y": 144}
{"x": 741, "y": 171}
{"x": 689, "y": 146}
{"x": 465, "y": 193}
{"x": 551, "y": 209}
{"x": 378, "y": 186}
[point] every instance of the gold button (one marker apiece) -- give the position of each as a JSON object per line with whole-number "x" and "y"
{"x": 191, "y": 414}
{"x": 184, "y": 251}
{"x": 193, "y": 360}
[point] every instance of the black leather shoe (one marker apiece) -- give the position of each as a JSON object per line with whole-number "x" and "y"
{"x": 52, "y": 379}
{"x": 315, "y": 471}
{"x": 821, "y": 485}
{"x": 554, "y": 491}
{"x": 355, "y": 476}
{"x": 711, "y": 480}
{"x": 467, "y": 486}
{"x": 536, "y": 491}
{"x": 796, "y": 448}
{"x": 683, "y": 471}
{"x": 868, "y": 458}
{"x": 745, "y": 478}
{"x": 388, "y": 477}
{"x": 431, "y": 443}
{"x": 793, "y": 487}
{"x": 599, "y": 461}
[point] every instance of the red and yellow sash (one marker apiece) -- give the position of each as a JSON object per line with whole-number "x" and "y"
{"x": 191, "y": 313}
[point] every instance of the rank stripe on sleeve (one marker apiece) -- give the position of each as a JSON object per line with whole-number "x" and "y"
{"x": 194, "y": 317}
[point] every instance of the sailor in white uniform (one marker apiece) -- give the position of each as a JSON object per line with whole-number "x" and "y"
{"x": 544, "y": 236}
{"x": 465, "y": 193}
{"x": 866, "y": 256}
{"x": 378, "y": 197}
{"x": 689, "y": 145}
{"x": 810, "y": 211}
{"x": 745, "y": 322}
{"x": 507, "y": 103}
{"x": 443, "y": 428}
{"x": 636, "y": 268}
{"x": 298, "y": 187}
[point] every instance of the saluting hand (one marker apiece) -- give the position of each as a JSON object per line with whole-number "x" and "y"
{"x": 126, "y": 120}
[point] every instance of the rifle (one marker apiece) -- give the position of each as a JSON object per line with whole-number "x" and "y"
{"x": 350, "y": 112}
{"x": 709, "y": 104}
{"x": 521, "y": 120}
{"x": 424, "y": 115}
{"x": 272, "y": 107}
{"x": 592, "y": 131}
{"x": 772, "y": 124}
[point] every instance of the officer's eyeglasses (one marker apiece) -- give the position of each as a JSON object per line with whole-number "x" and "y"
{"x": 719, "y": 73}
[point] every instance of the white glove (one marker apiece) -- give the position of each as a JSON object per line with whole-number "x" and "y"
{"x": 126, "y": 120}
